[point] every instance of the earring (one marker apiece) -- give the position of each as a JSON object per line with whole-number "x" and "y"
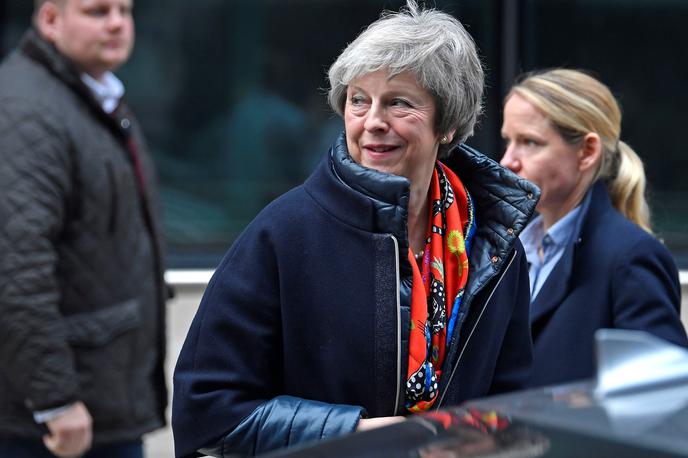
{"x": 444, "y": 140}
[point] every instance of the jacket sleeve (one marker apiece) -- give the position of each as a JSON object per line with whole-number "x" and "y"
{"x": 647, "y": 293}
{"x": 284, "y": 421}
{"x": 34, "y": 182}
{"x": 514, "y": 364}
{"x": 228, "y": 394}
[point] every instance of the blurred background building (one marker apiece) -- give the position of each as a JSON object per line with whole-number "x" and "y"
{"x": 231, "y": 93}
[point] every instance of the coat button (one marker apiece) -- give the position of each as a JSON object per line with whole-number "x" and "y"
{"x": 125, "y": 123}
{"x": 494, "y": 259}
{"x": 510, "y": 231}
{"x": 530, "y": 195}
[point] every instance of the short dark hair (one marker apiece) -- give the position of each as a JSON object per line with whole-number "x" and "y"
{"x": 38, "y": 3}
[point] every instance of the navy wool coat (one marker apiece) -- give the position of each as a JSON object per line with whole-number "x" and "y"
{"x": 612, "y": 275}
{"x": 304, "y": 326}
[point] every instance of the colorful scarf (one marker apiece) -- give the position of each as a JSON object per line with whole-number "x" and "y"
{"x": 438, "y": 286}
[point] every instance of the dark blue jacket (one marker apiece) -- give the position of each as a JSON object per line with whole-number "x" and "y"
{"x": 304, "y": 326}
{"x": 613, "y": 274}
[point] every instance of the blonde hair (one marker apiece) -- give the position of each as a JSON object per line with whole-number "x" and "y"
{"x": 577, "y": 104}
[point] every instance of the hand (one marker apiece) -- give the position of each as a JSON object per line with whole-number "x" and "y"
{"x": 70, "y": 432}
{"x": 365, "y": 424}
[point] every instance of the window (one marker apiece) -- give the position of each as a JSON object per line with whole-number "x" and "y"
{"x": 231, "y": 97}
{"x": 231, "y": 93}
{"x": 637, "y": 47}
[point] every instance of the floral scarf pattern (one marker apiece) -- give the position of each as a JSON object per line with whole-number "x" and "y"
{"x": 438, "y": 286}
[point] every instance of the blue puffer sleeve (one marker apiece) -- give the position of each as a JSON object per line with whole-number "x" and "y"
{"x": 286, "y": 420}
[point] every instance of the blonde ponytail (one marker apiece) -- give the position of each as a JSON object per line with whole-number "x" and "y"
{"x": 627, "y": 187}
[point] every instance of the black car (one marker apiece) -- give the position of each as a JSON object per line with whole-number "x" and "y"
{"x": 636, "y": 407}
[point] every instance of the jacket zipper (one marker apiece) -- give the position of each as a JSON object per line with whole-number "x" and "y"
{"x": 396, "y": 267}
{"x": 475, "y": 325}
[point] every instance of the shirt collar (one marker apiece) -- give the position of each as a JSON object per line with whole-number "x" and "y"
{"x": 531, "y": 236}
{"x": 559, "y": 233}
{"x": 107, "y": 91}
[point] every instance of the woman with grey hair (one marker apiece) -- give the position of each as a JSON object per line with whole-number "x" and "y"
{"x": 388, "y": 283}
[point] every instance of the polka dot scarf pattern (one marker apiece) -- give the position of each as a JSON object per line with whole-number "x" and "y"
{"x": 438, "y": 285}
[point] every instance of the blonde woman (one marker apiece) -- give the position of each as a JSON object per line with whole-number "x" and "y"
{"x": 593, "y": 260}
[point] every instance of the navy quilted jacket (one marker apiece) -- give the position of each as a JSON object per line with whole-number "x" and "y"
{"x": 304, "y": 326}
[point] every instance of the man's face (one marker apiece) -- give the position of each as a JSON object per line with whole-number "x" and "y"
{"x": 97, "y": 35}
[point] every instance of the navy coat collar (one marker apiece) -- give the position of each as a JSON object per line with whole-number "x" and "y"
{"x": 556, "y": 288}
{"x": 377, "y": 202}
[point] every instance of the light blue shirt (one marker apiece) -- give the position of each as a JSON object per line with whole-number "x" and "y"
{"x": 107, "y": 92}
{"x": 550, "y": 246}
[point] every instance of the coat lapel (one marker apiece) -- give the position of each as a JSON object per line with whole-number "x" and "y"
{"x": 556, "y": 287}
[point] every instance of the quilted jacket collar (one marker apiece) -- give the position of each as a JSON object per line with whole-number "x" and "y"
{"x": 504, "y": 204}
{"x": 47, "y": 55}
{"x": 388, "y": 194}
{"x": 378, "y": 201}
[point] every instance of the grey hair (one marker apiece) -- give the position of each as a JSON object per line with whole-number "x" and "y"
{"x": 431, "y": 45}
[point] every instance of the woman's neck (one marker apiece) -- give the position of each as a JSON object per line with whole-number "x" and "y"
{"x": 418, "y": 215}
{"x": 550, "y": 216}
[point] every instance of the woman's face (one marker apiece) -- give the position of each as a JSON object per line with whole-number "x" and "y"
{"x": 390, "y": 125}
{"x": 538, "y": 153}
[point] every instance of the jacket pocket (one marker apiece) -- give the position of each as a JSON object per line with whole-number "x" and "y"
{"x": 94, "y": 329}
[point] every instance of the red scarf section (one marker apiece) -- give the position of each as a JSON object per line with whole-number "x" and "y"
{"x": 438, "y": 285}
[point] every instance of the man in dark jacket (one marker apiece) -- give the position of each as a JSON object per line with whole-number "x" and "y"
{"x": 81, "y": 285}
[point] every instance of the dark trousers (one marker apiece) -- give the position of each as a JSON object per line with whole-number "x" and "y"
{"x": 23, "y": 448}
